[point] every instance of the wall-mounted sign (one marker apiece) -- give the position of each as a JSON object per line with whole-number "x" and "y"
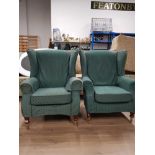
{"x": 113, "y": 6}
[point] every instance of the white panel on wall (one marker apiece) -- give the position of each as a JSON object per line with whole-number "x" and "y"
{"x": 35, "y": 19}
{"x": 73, "y": 17}
{"x": 39, "y": 15}
{"x": 22, "y": 18}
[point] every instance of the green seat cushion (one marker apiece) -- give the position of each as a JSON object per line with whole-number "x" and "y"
{"x": 47, "y": 96}
{"x": 111, "y": 94}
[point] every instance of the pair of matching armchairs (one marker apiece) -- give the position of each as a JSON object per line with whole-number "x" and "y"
{"x": 53, "y": 88}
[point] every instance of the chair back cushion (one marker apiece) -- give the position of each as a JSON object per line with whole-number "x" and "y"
{"x": 52, "y": 67}
{"x": 102, "y": 67}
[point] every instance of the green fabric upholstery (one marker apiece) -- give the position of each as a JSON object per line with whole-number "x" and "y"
{"x": 101, "y": 67}
{"x": 106, "y": 89}
{"x": 46, "y": 68}
{"x": 112, "y": 94}
{"x": 126, "y": 83}
{"x": 29, "y": 85}
{"x": 74, "y": 84}
{"x": 45, "y": 96}
{"x": 51, "y": 69}
{"x": 52, "y": 88}
{"x": 70, "y": 109}
{"x": 88, "y": 93}
{"x": 26, "y": 106}
{"x": 121, "y": 60}
{"x": 83, "y": 63}
{"x": 87, "y": 82}
{"x": 33, "y": 62}
{"x": 72, "y": 70}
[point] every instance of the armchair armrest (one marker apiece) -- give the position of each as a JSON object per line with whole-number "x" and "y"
{"x": 87, "y": 82}
{"x": 29, "y": 86}
{"x": 126, "y": 83}
{"x": 89, "y": 93}
{"x": 74, "y": 83}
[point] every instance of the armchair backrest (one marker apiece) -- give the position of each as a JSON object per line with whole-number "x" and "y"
{"x": 52, "y": 67}
{"x": 103, "y": 66}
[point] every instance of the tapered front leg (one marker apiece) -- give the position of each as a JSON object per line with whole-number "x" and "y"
{"x": 26, "y": 120}
{"x": 88, "y": 117}
{"x": 74, "y": 119}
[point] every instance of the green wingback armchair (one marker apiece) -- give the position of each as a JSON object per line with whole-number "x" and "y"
{"x": 106, "y": 88}
{"x": 52, "y": 87}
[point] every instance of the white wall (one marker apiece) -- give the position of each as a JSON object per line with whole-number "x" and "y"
{"x": 35, "y": 19}
{"x": 22, "y": 17}
{"x": 73, "y": 17}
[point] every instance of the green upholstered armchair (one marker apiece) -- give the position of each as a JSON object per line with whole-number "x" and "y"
{"x": 52, "y": 87}
{"x": 106, "y": 88}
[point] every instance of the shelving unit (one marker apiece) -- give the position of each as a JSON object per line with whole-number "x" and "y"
{"x": 105, "y": 38}
{"x": 82, "y": 45}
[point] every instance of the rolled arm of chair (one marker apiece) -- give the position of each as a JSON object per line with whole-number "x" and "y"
{"x": 126, "y": 83}
{"x": 74, "y": 83}
{"x": 88, "y": 93}
{"x": 29, "y": 85}
{"x": 87, "y": 83}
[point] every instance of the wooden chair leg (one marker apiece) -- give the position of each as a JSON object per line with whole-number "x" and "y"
{"x": 74, "y": 120}
{"x": 131, "y": 116}
{"x": 88, "y": 117}
{"x": 27, "y": 120}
